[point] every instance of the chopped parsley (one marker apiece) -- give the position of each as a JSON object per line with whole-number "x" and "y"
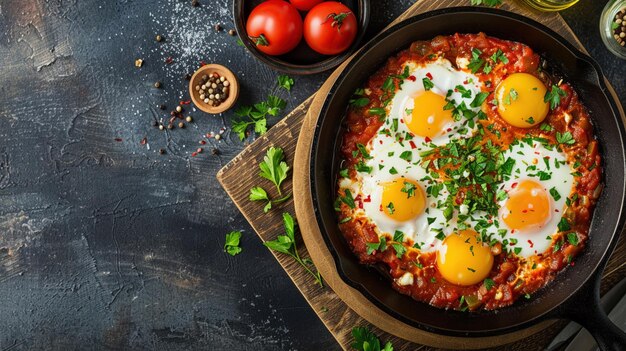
{"x": 565, "y": 138}
{"x": 553, "y": 96}
{"x": 572, "y": 238}
{"x": 391, "y": 208}
{"x": 489, "y": 283}
{"x": 409, "y": 189}
{"x": 428, "y": 84}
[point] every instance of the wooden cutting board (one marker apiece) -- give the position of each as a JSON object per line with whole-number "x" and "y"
{"x": 239, "y": 175}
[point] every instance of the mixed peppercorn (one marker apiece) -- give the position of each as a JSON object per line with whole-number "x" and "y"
{"x": 213, "y": 89}
{"x": 619, "y": 27}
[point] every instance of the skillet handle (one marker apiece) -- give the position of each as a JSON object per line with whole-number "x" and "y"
{"x": 585, "y": 309}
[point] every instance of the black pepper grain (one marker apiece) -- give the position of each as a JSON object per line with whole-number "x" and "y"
{"x": 162, "y": 151}
{"x": 157, "y": 84}
{"x": 215, "y": 151}
{"x": 155, "y": 123}
{"x": 195, "y": 3}
{"x": 162, "y": 107}
{"x": 159, "y": 38}
{"x": 232, "y": 32}
{"x": 218, "y": 27}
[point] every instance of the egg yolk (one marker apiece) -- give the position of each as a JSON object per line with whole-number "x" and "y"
{"x": 402, "y": 199}
{"x": 428, "y": 118}
{"x": 520, "y": 100}
{"x": 528, "y": 206}
{"x": 463, "y": 259}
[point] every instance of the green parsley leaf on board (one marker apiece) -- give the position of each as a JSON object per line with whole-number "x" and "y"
{"x": 275, "y": 169}
{"x": 286, "y": 244}
{"x": 285, "y": 82}
{"x": 365, "y": 340}
{"x": 490, "y": 3}
{"x": 553, "y": 96}
{"x": 231, "y": 246}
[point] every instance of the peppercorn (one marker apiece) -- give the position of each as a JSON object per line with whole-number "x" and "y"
{"x": 157, "y": 84}
{"x": 155, "y": 123}
{"x": 187, "y": 76}
{"x": 232, "y": 32}
{"x": 199, "y": 150}
{"x": 218, "y": 137}
{"x": 138, "y": 63}
{"x": 179, "y": 108}
{"x": 170, "y": 126}
{"x": 189, "y": 119}
{"x": 215, "y": 151}
{"x": 159, "y": 38}
{"x": 218, "y": 27}
{"x": 181, "y": 125}
{"x": 161, "y": 127}
{"x": 195, "y": 3}
{"x": 162, "y": 151}
{"x": 162, "y": 107}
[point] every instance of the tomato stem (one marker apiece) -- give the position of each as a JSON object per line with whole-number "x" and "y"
{"x": 261, "y": 40}
{"x": 337, "y": 18}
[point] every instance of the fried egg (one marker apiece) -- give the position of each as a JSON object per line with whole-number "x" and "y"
{"x": 391, "y": 184}
{"x": 520, "y": 98}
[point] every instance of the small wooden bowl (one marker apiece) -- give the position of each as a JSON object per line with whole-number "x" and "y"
{"x": 222, "y": 71}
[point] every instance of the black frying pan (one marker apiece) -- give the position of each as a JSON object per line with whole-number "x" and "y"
{"x": 574, "y": 294}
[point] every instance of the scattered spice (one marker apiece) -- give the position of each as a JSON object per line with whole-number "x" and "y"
{"x": 194, "y": 154}
{"x": 118, "y": 139}
{"x": 179, "y": 109}
{"x": 161, "y": 127}
{"x": 170, "y": 126}
{"x": 218, "y": 137}
{"x": 202, "y": 142}
{"x": 144, "y": 141}
{"x": 232, "y": 32}
{"x": 159, "y": 38}
{"x": 213, "y": 89}
{"x": 187, "y": 76}
{"x": 162, "y": 151}
{"x": 169, "y": 60}
{"x": 157, "y": 84}
{"x": 195, "y": 3}
{"x": 619, "y": 27}
{"x": 215, "y": 151}
{"x": 138, "y": 62}
{"x": 218, "y": 27}
{"x": 162, "y": 107}
{"x": 155, "y": 123}
{"x": 199, "y": 150}
{"x": 181, "y": 125}
{"x": 189, "y": 119}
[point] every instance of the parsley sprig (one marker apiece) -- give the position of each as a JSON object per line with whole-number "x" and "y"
{"x": 365, "y": 340}
{"x": 490, "y": 3}
{"x": 275, "y": 169}
{"x": 285, "y": 82}
{"x": 231, "y": 245}
{"x": 286, "y": 244}
{"x": 553, "y": 96}
{"x": 256, "y": 115}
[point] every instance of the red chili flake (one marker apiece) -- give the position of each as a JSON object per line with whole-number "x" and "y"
{"x": 381, "y": 142}
{"x": 118, "y": 139}
{"x": 380, "y": 208}
{"x": 524, "y": 211}
{"x": 202, "y": 63}
{"x": 172, "y": 119}
{"x": 194, "y": 154}
{"x": 536, "y": 152}
{"x": 202, "y": 142}
{"x": 401, "y": 120}
{"x": 185, "y": 102}
{"x": 143, "y": 141}
{"x": 412, "y": 78}
{"x": 547, "y": 157}
{"x": 368, "y": 199}
{"x": 169, "y": 60}
{"x": 430, "y": 76}
{"x": 513, "y": 185}
{"x": 531, "y": 243}
{"x": 556, "y": 210}
{"x": 512, "y": 244}
{"x": 572, "y": 264}
{"x": 449, "y": 130}
{"x": 427, "y": 139}
{"x": 209, "y": 135}
{"x": 412, "y": 144}
{"x": 432, "y": 245}
{"x": 465, "y": 82}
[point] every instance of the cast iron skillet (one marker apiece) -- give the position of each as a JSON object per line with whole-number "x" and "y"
{"x": 574, "y": 294}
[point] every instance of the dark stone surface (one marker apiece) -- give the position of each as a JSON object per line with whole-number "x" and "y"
{"x": 104, "y": 243}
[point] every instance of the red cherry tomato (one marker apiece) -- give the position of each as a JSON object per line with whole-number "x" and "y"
{"x": 275, "y": 27}
{"x": 330, "y": 28}
{"x": 305, "y": 5}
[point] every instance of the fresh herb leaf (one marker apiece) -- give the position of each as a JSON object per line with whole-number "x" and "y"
{"x": 479, "y": 99}
{"x": 490, "y": 3}
{"x": 555, "y": 194}
{"x": 407, "y": 155}
{"x": 563, "y": 225}
{"x": 364, "y": 340}
{"x": 476, "y": 62}
{"x": 231, "y": 245}
{"x": 409, "y": 189}
{"x": 428, "y": 84}
{"x": 286, "y": 244}
{"x": 400, "y": 249}
{"x": 347, "y": 198}
{"x": 554, "y": 96}
{"x": 273, "y": 167}
{"x": 489, "y": 283}
{"x": 285, "y": 82}
{"x": 565, "y": 138}
{"x": 256, "y": 115}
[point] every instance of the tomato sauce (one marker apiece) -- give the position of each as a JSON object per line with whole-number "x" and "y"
{"x": 512, "y": 276}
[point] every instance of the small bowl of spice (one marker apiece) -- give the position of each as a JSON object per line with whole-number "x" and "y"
{"x": 613, "y": 27}
{"x": 213, "y": 88}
